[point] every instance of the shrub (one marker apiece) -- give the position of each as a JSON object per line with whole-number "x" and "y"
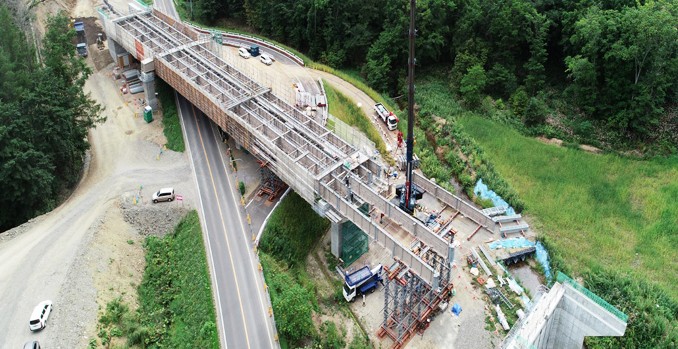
{"x": 241, "y": 188}
{"x": 332, "y": 337}
{"x": 535, "y": 112}
{"x": 519, "y": 101}
{"x": 292, "y": 229}
{"x": 472, "y": 85}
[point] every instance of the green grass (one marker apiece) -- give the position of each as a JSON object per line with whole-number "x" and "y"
{"x": 599, "y": 211}
{"x": 292, "y": 230}
{"x": 176, "y": 293}
{"x": 347, "y": 111}
{"x": 290, "y": 234}
{"x": 170, "y": 119}
{"x": 176, "y": 309}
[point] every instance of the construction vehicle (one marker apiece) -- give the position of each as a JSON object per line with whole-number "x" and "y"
{"x": 100, "y": 41}
{"x": 386, "y": 116}
{"x": 81, "y": 46}
{"x": 253, "y": 50}
{"x": 361, "y": 281}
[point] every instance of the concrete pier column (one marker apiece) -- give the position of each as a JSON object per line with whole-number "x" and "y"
{"x": 336, "y": 238}
{"x": 148, "y": 80}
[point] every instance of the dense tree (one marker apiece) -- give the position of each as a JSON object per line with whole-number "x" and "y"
{"x": 626, "y": 64}
{"x": 44, "y": 119}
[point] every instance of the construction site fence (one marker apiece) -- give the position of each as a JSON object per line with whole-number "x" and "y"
{"x": 351, "y": 135}
{"x": 564, "y": 279}
{"x": 252, "y": 40}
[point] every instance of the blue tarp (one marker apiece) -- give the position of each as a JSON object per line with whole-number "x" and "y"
{"x": 543, "y": 259}
{"x": 485, "y": 193}
{"x": 518, "y": 242}
{"x": 456, "y": 309}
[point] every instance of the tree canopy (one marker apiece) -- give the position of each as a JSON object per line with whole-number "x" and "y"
{"x": 44, "y": 119}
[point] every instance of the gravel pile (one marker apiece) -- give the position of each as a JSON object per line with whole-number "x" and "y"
{"x": 153, "y": 219}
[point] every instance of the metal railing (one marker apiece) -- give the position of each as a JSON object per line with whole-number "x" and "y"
{"x": 564, "y": 279}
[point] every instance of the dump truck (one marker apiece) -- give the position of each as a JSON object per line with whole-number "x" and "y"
{"x": 361, "y": 281}
{"x": 81, "y": 46}
{"x": 386, "y": 116}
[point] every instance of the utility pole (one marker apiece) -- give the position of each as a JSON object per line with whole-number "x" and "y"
{"x": 407, "y": 205}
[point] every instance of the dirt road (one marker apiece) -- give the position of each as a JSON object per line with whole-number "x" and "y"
{"x": 45, "y": 260}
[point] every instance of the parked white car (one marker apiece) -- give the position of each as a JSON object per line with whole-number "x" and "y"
{"x": 39, "y": 316}
{"x": 242, "y": 52}
{"x": 266, "y": 59}
{"x": 164, "y": 194}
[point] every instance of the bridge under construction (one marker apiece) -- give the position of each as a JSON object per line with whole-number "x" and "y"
{"x": 340, "y": 182}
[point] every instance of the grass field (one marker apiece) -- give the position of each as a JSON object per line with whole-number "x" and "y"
{"x": 598, "y": 210}
{"x": 347, "y": 111}
{"x": 170, "y": 120}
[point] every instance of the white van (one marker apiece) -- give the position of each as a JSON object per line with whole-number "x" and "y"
{"x": 244, "y": 53}
{"x": 164, "y": 194}
{"x": 39, "y": 316}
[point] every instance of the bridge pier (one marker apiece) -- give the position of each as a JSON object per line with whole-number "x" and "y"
{"x": 118, "y": 53}
{"x": 148, "y": 80}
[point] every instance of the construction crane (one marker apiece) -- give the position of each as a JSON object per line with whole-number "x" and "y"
{"x": 408, "y": 196}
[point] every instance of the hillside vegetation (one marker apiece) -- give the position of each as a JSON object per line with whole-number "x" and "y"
{"x": 298, "y": 299}
{"x": 610, "y": 219}
{"x": 598, "y": 210}
{"x": 44, "y": 119}
{"x": 176, "y": 309}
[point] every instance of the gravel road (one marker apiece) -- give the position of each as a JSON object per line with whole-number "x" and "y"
{"x": 55, "y": 256}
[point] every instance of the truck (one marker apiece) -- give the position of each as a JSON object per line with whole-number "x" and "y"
{"x": 253, "y": 50}
{"x": 361, "y": 281}
{"x": 386, "y": 116}
{"x": 81, "y": 46}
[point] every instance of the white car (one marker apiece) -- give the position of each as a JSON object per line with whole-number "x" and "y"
{"x": 242, "y": 52}
{"x": 40, "y": 314}
{"x": 266, "y": 59}
{"x": 164, "y": 194}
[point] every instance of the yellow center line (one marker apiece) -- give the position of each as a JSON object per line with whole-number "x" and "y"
{"x": 223, "y": 224}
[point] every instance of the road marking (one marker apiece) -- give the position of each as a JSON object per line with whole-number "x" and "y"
{"x": 261, "y": 300}
{"x": 223, "y": 224}
{"x": 205, "y": 230}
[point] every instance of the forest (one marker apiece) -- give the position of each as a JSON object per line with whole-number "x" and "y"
{"x": 608, "y": 65}
{"x": 44, "y": 119}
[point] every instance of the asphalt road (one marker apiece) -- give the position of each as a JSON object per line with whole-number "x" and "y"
{"x": 242, "y": 306}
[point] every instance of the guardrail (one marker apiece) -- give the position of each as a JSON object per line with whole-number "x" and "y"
{"x": 285, "y": 52}
{"x": 562, "y": 278}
